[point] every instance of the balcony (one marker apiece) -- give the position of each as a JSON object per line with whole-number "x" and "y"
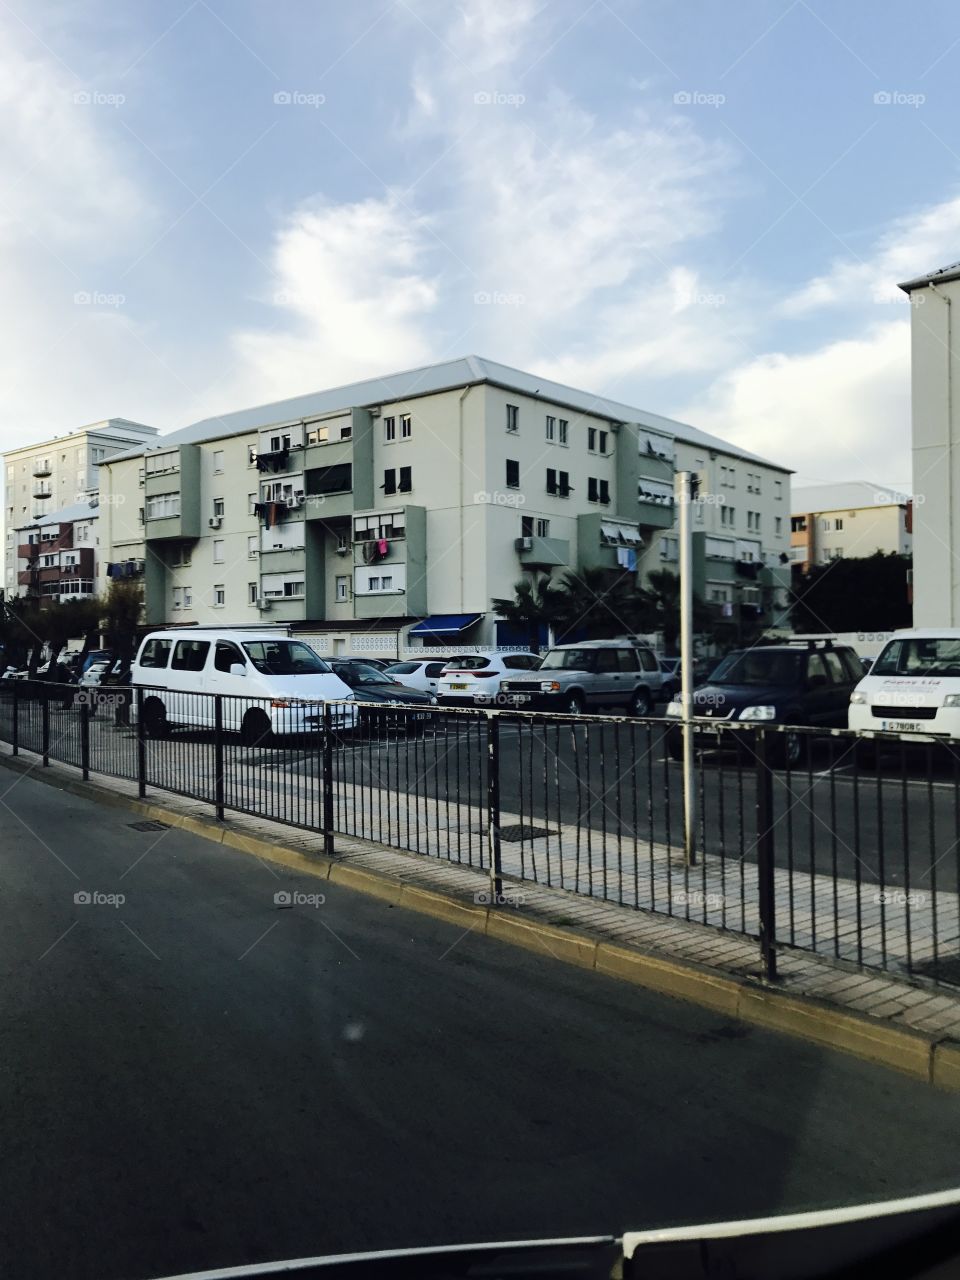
{"x": 171, "y": 497}
{"x": 42, "y": 467}
{"x": 542, "y": 553}
{"x": 605, "y": 542}
{"x": 43, "y": 489}
{"x": 390, "y": 549}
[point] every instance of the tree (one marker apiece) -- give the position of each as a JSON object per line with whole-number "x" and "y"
{"x": 665, "y": 595}
{"x": 120, "y": 613}
{"x": 867, "y": 593}
{"x": 67, "y": 621}
{"x": 594, "y": 602}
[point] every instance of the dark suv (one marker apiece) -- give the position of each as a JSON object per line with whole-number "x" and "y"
{"x": 774, "y": 684}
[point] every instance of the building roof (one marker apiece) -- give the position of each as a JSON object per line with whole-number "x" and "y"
{"x": 446, "y": 376}
{"x": 119, "y": 428}
{"x": 848, "y": 495}
{"x": 66, "y": 515}
{"x": 939, "y": 276}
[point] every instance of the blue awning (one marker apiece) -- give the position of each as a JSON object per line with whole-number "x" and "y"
{"x": 445, "y": 624}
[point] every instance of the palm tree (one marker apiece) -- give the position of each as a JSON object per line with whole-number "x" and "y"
{"x": 537, "y": 603}
{"x": 603, "y": 604}
{"x": 665, "y": 598}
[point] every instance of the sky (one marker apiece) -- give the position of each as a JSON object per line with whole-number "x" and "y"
{"x": 701, "y": 209}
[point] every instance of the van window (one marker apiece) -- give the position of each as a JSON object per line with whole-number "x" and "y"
{"x": 919, "y": 656}
{"x": 190, "y": 655}
{"x": 607, "y": 660}
{"x": 225, "y": 655}
{"x": 155, "y": 653}
{"x": 284, "y": 658}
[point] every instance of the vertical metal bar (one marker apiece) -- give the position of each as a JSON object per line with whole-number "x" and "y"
{"x": 218, "y": 754}
{"x": 932, "y": 842}
{"x": 85, "y": 739}
{"x": 45, "y": 712}
{"x": 765, "y": 882}
{"x": 905, "y": 820}
{"x": 684, "y": 489}
{"x": 327, "y": 780}
{"x": 16, "y": 719}
{"x": 856, "y": 851}
{"x": 141, "y": 747}
{"x": 493, "y": 804}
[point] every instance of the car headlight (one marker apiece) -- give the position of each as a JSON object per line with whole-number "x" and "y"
{"x": 952, "y": 700}
{"x": 758, "y": 713}
{"x": 549, "y": 686}
{"x": 861, "y": 698}
{"x": 675, "y": 709}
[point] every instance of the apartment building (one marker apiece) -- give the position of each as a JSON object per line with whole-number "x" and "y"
{"x": 852, "y": 518}
{"x": 935, "y": 412}
{"x": 389, "y": 512}
{"x": 42, "y": 479}
{"x": 56, "y": 555}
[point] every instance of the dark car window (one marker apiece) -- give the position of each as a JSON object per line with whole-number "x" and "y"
{"x": 357, "y": 674}
{"x": 521, "y": 661}
{"x": 226, "y": 655}
{"x": 468, "y": 662}
{"x": 835, "y": 668}
{"x": 648, "y": 660}
{"x": 433, "y": 669}
{"x": 607, "y": 660}
{"x": 284, "y": 658}
{"x": 403, "y": 668}
{"x": 816, "y": 672}
{"x": 569, "y": 660}
{"x": 190, "y": 655}
{"x": 629, "y": 659}
{"x": 758, "y": 666}
{"x": 851, "y": 660}
{"x": 155, "y": 653}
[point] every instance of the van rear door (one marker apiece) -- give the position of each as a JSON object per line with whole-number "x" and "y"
{"x": 185, "y": 679}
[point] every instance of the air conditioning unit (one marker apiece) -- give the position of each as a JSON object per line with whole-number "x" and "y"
{"x": 297, "y": 500}
{"x": 215, "y": 522}
{"x": 343, "y": 549}
{"x": 523, "y": 544}
{"x": 263, "y": 603}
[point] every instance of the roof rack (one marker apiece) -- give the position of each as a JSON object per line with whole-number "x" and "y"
{"x": 811, "y": 645}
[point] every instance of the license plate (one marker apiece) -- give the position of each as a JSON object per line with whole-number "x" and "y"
{"x": 457, "y": 686}
{"x": 901, "y": 726}
{"x": 519, "y": 697}
{"x": 420, "y": 715}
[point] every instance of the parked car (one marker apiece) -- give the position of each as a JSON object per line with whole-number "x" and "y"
{"x": 473, "y": 679}
{"x": 381, "y": 664}
{"x": 371, "y": 685}
{"x": 95, "y": 655}
{"x": 420, "y": 673}
{"x": 276, "y": 685}
{"x": 589, "y": 676}
{"x": 791, "y": 684}
{"x": 94, "y": 672}
{"x": 913, "y": 687}
{"x": 671, "y": 675}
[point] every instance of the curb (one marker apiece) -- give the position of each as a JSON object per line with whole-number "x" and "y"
{"x": 913, "y": 1053}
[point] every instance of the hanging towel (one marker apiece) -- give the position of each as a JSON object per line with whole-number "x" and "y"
{"x": 382, "y": 546}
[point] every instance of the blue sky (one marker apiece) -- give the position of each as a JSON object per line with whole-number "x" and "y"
{"x": 702, "y": 209}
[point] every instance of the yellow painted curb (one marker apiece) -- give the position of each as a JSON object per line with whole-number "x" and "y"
{"x": 377, "y": 886}
{"x": 945, "y": 1070}
{"x": 897, "y": 1047}
{"x": 669, "y": 977}
{"x": 573, "y": 948}
{"x": 442, "y": 907}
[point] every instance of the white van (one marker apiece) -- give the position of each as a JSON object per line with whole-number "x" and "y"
{"x": 913, "y": 687}
{"x": 272, "y": 684}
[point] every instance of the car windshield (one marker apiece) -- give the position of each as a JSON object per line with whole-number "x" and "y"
{"x": 569, "y": 660}
{"x": 759, "y": 666}
{"x": 932, "y": 656}
{"x": 284, "y": 658}
{"x": 356, "y": 674}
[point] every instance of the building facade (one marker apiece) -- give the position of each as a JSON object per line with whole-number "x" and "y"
{"x": 57, "y": 555}
{"x": 390, "y": 512}
{"x": 855, "y": 518}
{"x": 41, "y": 479}
{"x": 935, "y": 413}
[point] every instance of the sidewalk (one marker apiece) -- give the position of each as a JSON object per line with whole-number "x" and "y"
{"x": 906, "y": 1025}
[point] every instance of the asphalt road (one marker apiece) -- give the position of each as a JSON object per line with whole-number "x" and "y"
{"x": 197, "y": 1077}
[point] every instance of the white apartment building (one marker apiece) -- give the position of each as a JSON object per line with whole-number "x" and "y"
{"x": 935, "y": 412}
{"x": 41, "y": 479}
{"x": 851, "y": 518}
{"x": 389, "y": 512}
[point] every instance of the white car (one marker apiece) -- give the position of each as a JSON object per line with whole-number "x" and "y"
{"x": 473, "y": 679}
{"x": 95, "y": 672}
{"x": 913, "y": 687}
{"x": 419, "y": 673}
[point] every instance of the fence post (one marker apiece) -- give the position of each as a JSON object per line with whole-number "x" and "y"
{"x": 141, "y": 747}
{"x": 218, "y": 754}
{"x": 15, "y": 735}
{"x": 85, "y": 736}
{"x": 45, "y": 714}
{"x": 327, "y": 780}
{"x": 766, "y": 893}
{"x": 493, "y": 805}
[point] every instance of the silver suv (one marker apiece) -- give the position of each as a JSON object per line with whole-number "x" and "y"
{"x": 589, "y": 676}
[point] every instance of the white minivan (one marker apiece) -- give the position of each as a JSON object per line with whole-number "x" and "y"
{"x": 272, "y": 684}
{"x": 913, "y": 687}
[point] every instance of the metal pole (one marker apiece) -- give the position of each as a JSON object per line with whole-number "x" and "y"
{"x": 16, "y": 719}
{"x": 493, "y": 806}
{"x": 766, "y": 890}
{"x": 141, "y": 747}
{"x": 684, "y": 484}
{"x": 85, "y": 737}
{"x": 218, "y": 754}
{"x": 328, "y": 780}
{"x": 45, "y": 710}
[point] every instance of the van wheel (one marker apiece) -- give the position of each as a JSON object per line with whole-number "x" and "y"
{"x": 256, "y": 730}
{"x": 155, "y": 724}
{"x": 641, "y": 703}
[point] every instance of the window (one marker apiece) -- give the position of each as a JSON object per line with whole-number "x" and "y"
{"x": 387, "y": 524}
{"x": 627, "y": 659}
{"x": 406, "y": 479}
{"x": 188, "y": 597}
{"x": 838, "y": 524}
{"x": 601, "y": 442}
{"x": 278, "y": 491}
{"x": 279, "y": 443}
{"x": 373, "y": 583}
{"x": 798, "y": 524}
{"x": 835, "y": 669}
{"x": 219, "y": 596}
{"x": 180, "y": 556}
{"x": 777, "y": 524}
{"x": 551, "y": 480}
{"x": 218, "y": 506}
{"x": 386, "y": 582}
{"x": 335, "y": 479}
{"x": 526, "y": 526}
{"x": 592, "y": 439}
{"x": 542, "y": 528}
{"x": 389, "y": 480}
{"x": 607, "y": 661}
{"x": 406, "y": 426}
{"x": 513, "y": 418}
{"x": 252, "y": 593}
{"x": 728, "y": 515}
{"x": 157, "y": 464}
{"x": 815, "y": 672}
{"x": 218, "y": 551}
{"x": 252, "y": 500}
{"x": 163, "y": 506}
{"x": 598, "y": 490}
{"x": 562, "y": 426}
{"x": 190, "y": 655}
{"x": 253, "y": 547}
{"x": 551, "y": 427}
{"x": 226, "y": 654}
{"x": 558, "y": 482}
{"x": 778, "y": 489}
{"x": 318, "y": 435}
{"x": 342, "y": 589}
{"x": 97, "y": 454}
{"x": 155, "y": 653}
{"x": 513, "y": 474}
{"x": 294, "y": 588}
{"x": 218, "y": 461}
{"x": 518, "y": 661}
{"x": 389, "y": 430}
{"x": 251, "y": 455}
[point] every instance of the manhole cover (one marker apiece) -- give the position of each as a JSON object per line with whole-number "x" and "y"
{"x": 943, "y": 969}
{"x": 146, "y": 825}
{"x": 516, "y": 834}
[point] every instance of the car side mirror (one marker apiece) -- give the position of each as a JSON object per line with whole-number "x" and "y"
{"x": 237, "y": 669}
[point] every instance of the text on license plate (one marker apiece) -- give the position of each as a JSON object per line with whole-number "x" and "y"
{"x": 520, "y": 697}
{"x": 458, "y": 686}
{"x": 901, "y": 726}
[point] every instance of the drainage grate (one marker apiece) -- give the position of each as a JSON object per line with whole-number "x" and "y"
{"x": 146, "y": 825}
{"x": 945, "y": 969}
{"x": 515, "y": 834}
